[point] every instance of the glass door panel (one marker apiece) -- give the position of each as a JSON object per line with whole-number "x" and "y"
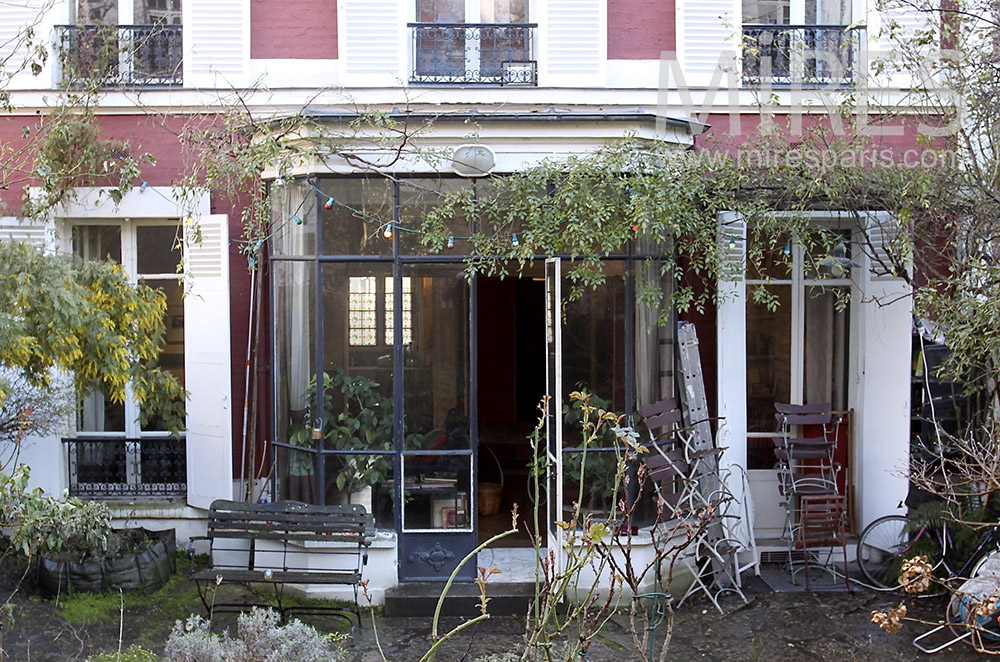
{"x": 437, "y": 488}
{"x": 554, "y": 420}
{"x": 769, "y": 370}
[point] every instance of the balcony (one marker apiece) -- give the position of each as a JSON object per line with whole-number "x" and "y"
{"x": 473, "y": 54}
{"x": 806, "y": 56}
{"x": 117, "y": 467}
{"x": 122, "y": 55}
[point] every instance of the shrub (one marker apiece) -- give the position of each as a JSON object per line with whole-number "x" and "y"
{"x": 259, "y": 638}
{"x": 40, "y": 523}
{"x": 133, "y": 654}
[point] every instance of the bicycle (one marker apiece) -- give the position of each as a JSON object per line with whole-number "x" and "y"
{"x": 885, "y": 543}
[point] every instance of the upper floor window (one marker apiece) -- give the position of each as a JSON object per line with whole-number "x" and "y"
{"x": 473, "y": 41}
{"x": 809, "y": 43}
{"x": 122, "y": 42}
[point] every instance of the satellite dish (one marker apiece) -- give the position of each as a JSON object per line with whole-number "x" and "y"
{"x": 473, "y": 160}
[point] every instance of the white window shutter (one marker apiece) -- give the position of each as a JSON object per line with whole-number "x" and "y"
{"x": 16, "y": 16}
{"x": 882, "y": 428}
{"x": 708, "y": 31}
{"x": 907, "y": 23}
{"x": 887, "y": 244}
{"x": 731, "y": 342}
{"x": 16, "y": 229}
{"x": 372, "y": 35}
{"x": 574, "y": 43}
{"x": 207, "y": 363}
{"x": 216, "y": 43}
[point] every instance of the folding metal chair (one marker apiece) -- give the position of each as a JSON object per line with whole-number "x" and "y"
{"x": 680, "y": 498}
{"x": 806, "y": 464}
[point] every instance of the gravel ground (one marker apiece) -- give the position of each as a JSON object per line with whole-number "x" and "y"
{"x": 771, "y": 626}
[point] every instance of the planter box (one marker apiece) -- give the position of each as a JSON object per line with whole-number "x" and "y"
{"x": 146, "y": 571}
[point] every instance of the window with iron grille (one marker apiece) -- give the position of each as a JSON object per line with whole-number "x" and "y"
{"x": 112, "y": 453}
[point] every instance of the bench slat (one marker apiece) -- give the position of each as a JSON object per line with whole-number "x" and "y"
{"x": 277, "y": 576}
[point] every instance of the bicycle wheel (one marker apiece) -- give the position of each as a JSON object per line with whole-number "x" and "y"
{"x": 881, "y": 547}
{"x": 961, "y": 616}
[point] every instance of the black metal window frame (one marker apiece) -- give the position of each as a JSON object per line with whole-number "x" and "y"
{"x": 399, "y": 261}
{"x": 473, "y": 54}
{"x": 100, "y": 466}
{"x": 802, "y": 56}
{"x": 147, "y": 55}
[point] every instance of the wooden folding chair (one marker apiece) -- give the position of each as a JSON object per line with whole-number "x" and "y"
{"x": 823, "y": 524}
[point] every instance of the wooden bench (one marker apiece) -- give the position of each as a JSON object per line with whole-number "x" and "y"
{"x": 286, "y": 542}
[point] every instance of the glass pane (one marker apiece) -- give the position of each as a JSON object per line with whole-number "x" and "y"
{"x": 172, "y": 356}
{"x": 441, "y": 11}
{"x": 774, "y": 256}
{"x": 297, "y": 475}
{"x": 436, "y": 492}
{"x": 148, "y": 12}
{"x": 365, "y": 480}
{"x": 502, "y": 11}
{"x": 827, "y": 255}
{"x": 294, "y": 324}
{"x": 594, "y": 340}
{"x": 826, "y": 342}
{"x": 293, "y": 219}
{"x": 97, "y": 11}
{"x": 827, "y": 12}
{"x": 98, "y": 413}
{"x": 591, "y": 483}
{"x": 766, "y": 12}
{"x": 654, "y": 335}
{"x": 362, "y": 311}
{"x": 436, "y": 372}
{"x": 417, "y": 197}
{"x": 158, "y": 249}
{"x": 98, "y": 242}
{"x": 355, "y": 213}
{"x": 407, "y": 311}
{"x": 163, "y": 461}
{"x": 357, "y": 359}
{"x": 769, "y": 358}
{"x": 98, "y": 462}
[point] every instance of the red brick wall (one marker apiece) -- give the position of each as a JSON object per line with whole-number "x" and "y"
{"x": 639, "y": 30}
{"x": 293, "y": 29}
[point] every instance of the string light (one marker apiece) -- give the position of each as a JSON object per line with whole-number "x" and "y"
{"x": 514, "y": 241}
{"x": 788, "y": 248}
{"x": 144, "y": 186}
{"x": 298, "y": 221}
{"x": 329, "y": 204}
{"x": 732, "y": 241}
{"x": 451, "y": 242}
{"x": 387, "y": 231}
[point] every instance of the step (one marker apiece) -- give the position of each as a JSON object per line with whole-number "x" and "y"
{"x": 421, "y": 598}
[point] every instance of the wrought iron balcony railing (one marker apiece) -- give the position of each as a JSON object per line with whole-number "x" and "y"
{"x": 801, "y": 55}
{"x": 117, "y": 467}
{"x": 129, "y": 55}
{"x": 473, "y": 53}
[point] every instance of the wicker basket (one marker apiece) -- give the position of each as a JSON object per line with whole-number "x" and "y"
{"x": 489, "y": 498}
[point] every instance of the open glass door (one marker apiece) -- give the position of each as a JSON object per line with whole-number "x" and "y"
{"x": 553, "y": 422}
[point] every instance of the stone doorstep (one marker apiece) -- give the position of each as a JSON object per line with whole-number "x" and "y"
{"x": 420, "y": 599}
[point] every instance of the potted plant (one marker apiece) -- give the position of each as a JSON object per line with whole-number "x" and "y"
{"x": 361, "y": 419}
